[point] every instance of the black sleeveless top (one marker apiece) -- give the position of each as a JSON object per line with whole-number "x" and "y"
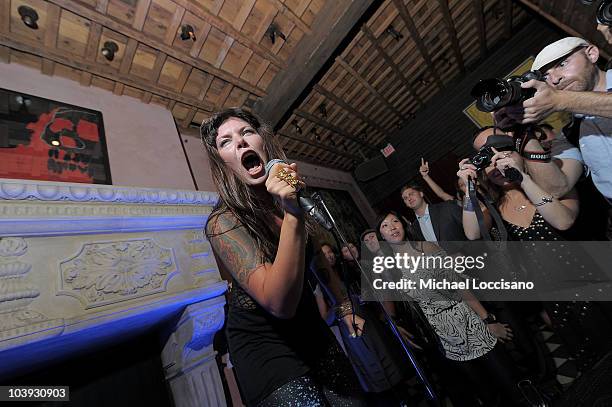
{"x": 268, "y": 352}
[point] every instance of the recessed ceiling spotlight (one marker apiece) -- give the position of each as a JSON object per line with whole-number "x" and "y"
{"x": 29, "y": 16}
{"x": 109, "y": 50}
{"x": 187, "y": 32}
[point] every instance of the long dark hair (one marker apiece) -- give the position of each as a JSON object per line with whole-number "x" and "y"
{"x": 236, "y": 197}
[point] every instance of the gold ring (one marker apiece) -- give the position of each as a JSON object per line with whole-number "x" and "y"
{"x": 289, "y": 178}
{"x": 506, "y": 154}
{"x": 353, "y": 335}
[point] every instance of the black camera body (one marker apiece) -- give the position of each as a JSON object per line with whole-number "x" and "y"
{"x": 482, "y": 158}
{"x": 493, "y": 94}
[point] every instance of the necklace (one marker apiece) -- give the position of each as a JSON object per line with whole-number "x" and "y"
{"x": 520, "y": 208}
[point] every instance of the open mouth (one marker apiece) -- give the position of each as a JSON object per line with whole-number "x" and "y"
{"x": 252, "y": 163}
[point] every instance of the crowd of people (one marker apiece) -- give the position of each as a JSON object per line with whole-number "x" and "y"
{"x": 290, "y": 293}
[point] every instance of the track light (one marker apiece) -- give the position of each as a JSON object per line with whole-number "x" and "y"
{"x": 29, "y": 16}
{"x": 394, "y": 33}
{"x": 323, "y": 110}
{"x": 273, "y": 31}
{"x": 187, "y": 32}
{"x": 109, "y": 50}
{"x": 423, "y": 81}
{"x": 297, "y": 127}
{"x": 316, "y": 133}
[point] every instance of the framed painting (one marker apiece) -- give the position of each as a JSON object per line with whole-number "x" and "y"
{"x": 48, "y": 140}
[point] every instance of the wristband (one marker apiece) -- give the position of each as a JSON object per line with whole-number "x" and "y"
{"x": 468, "y": 205}
{"x": 543, "y": 157}
{"x": 544, "y": 201}
{"x": 490, "y": 319}
{"x": 343, "y": 310}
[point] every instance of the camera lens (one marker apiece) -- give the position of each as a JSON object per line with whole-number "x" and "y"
{"x": 604, "y": 12}
{"x": 478, "y": 160}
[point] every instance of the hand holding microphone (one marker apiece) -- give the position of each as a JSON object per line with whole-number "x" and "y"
{"x": 284, "y": 183}
{"x": 291, "y": 199}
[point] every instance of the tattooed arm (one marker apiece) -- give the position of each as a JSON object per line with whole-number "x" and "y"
{"x": 276, "y": 286}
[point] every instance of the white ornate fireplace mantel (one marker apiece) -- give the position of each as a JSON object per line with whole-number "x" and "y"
{"x": 82, "y": 265}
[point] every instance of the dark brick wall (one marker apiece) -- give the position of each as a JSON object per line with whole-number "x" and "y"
{"x": 440, "y": 128}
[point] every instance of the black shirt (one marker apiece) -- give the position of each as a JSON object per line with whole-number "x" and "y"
{"x": 268, "y": 352}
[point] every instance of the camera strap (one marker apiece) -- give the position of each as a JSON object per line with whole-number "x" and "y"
{"x": 475, "y": 197}
{"x": 522, "y": 135}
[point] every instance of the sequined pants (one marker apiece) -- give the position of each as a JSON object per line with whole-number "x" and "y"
{"x": 332, "y": 383}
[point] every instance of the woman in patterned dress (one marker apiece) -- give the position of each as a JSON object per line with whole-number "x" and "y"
{"x": 470, "y": 337}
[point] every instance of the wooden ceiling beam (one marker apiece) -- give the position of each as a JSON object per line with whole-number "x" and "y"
{"x": 48, "y": 67}
{"x": 319, "y": 146}
{"x": 5, "y": 15}
{"x": 376, "y": 42}
{"x": 88, "y": 66}
{"x": 52, "y": 28}
{"x": 228, "y": 29}
{"x": 142, "y": 9}
{"x": 508, "y": 19}
{"x": 189, "y": 118}
{"x": 173, "y": 26}
{"x": 314, "y": 55}
{"x": 85, "y": 79}
{"x": 157, "y": 67}
{"x": 337, "y": 100}
{"x": 416, "y": 37}
{"x": 292, "y": 17}
{"x": 102, "y": 6}
{"x": 559, "y": 24}
{"x": 477, "y": 8}
{"x": 332, "y": 128}
{"x": 128, "y": 56}
{"x": 371, "y": 88}
{"x": 452, "y": 33}
{"x": 103, "y": 20}
{"x": 95, "y": 32}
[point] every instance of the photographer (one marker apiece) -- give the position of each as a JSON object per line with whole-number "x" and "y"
{"x": 575, "y": 84}
{"x": 522, "y": 203}
{"x": 530, "y": 214}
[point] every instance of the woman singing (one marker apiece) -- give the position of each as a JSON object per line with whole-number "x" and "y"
{"x": 282, "y": 351}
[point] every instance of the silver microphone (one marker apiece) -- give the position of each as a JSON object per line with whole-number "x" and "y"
{"x": 306, "y": 203}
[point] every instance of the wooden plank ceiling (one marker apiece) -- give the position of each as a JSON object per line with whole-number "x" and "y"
{"x": 402, "y": 56}
{"x": 573, "y": 17}
{"x": 399, "y": 58}
{"x": 231, "y": 62}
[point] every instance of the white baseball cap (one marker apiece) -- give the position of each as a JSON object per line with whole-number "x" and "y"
{"x": 557, "y": 50}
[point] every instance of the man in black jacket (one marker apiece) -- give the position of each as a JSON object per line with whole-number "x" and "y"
{"x": 441, "y": 222}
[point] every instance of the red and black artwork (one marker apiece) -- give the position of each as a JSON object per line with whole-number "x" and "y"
{"x": 48, "y": 140}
